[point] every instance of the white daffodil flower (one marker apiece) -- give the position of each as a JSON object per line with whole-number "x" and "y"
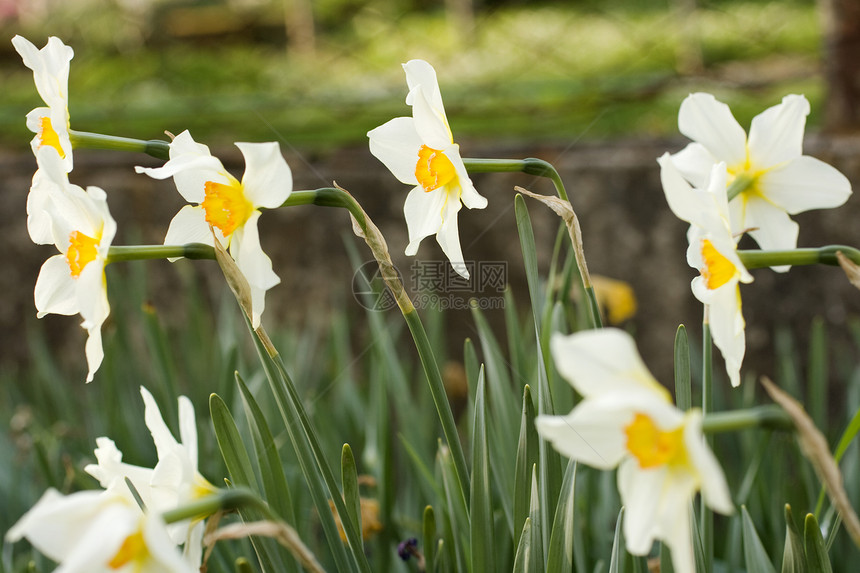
{"x": 175, "y": 480}
{"x": 627, "y": 420}
{"x": 227, "y": 207}
{"x": 73, "y": 281}
{"x": 777, "y": 179}
{"x": 713, "y": 253}
{"x": 420, "y": 151}
{"x": 98, "y": 532}
{"x": 50, "y": 67}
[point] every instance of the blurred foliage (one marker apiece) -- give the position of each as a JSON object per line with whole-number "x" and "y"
{"x": 565, "y": 70}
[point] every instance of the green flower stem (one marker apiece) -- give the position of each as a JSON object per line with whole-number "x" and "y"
{"x": 336, "y": 197}
{"x": 530, "y": 166}
{"x": 822, "y": 255}
{"x": 771, "y": 417}
{"x": 741, "y": 183}
{"x": 154, "y": 147}
{"x": 224, "y": 500}
{"x": 142, "y": 252}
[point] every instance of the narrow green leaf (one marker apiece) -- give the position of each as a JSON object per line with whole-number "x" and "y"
{"x": 349, "y": 480}
{"x": 683, "y": 379}
{"x": 512, "y": 328}
{"x": 471, "y": 363}
{"x": 527, "y": 244}
{"x": 456, "y": 518}
{"x": 666, "y": 565}
{"x": 817, "y": 380}
{"x": 522, "y": 558}
{"x": 502, "y": 402}
{"x": 619, "y": 554}
{"x": 480, "y": 511}
{"x": 230, "y": 442}
{"x": 536, "y": 545}
{"x": 429, "y": 534}
{"x": 271, "y": 466}
{"x": 242, "y": 473}
{"x": 698, "y": 549}
{"x": 527, "y": 457}
{"x": 794, "y": 554}
{"x": 317, "y": 473}
{"x": 817, "y": 560}
{"x": 560, "y": 551}
{"x": 755, "y": 556}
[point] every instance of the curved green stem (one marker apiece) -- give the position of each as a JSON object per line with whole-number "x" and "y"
{"x": 224, "y": 500}
{"x": 154, "y": 147}
{"x": 143, "y": 252}
{"x": 530, "y": 166}
{"x": 772, "y": 417}
{"x": 826, "y": 255}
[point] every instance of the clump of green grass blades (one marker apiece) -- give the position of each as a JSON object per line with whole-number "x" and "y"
{"x": 368, "y": 420}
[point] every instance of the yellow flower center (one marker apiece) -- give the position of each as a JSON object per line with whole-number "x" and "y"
{"x": 83, "y": 249}
{"x": 201, "y": 487}
{"x": 226, "y": 206}
{"x": 717, "y": 269}
{"x": 433, "y": 169}
{"x": 48, "y": 136}
{"x": 651, "y": 446}
{"x": 132, "y": 549}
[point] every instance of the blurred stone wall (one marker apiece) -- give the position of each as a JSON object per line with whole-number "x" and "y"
{"x": 629, "y": 234}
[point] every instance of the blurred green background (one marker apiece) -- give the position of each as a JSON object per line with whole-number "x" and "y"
{"x": 323, "y": 73}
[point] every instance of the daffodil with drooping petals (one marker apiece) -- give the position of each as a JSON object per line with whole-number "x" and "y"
{"x": 175, "y": 479}
{"x": 420, "y": 151}
{"x": 713, "y": 252}
{"x": 99, "y": 532}
{"x": 73, "y": 281}
{"x": 775, "y": 178}
{"x": 627, "y": 420}
{"x": 50, "y": 67}
{"x": 227, "y": 207}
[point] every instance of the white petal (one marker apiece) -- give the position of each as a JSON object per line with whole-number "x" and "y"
{"x": 94, "y": 351}
{"x": 162, "y": 550}
{"x": 588, "y": 434}
{"x": 773, "y": 230}
{"x": 603, "y": 361}
{"x": 188, "y": 429}
{"x": 727, "y": 328}
{"x": 55, "y": 288}
{"x": 695, "y": 163}
{"x": 448, "y": 236}
{"x": 191, "y": 165}
{"x": 423, "y": 212}
{"x": 421, "y": 73}
{"x": 268, "y": 180}
{"x": 710, "y": 122}
{"x": 803, "y": 184}
{"x": 189, "y": 226}
{"x": 164, "y": 441}
{"x": 713, "y": 480}
{"x": 640, "y": 493}
{"x": 776, "y": 134}
{"x": 676, "y": 525}
{"x": 50, "y": 66}
{"x": 430, "y": 123}
{"x": 249, "y": 255}
{"x": 468, "y": 194}
{"x": 91, "y": 292}
{"x": 685, "y": 202}
{"x": 102, "y": 538}
{"x": 396, "y": 145}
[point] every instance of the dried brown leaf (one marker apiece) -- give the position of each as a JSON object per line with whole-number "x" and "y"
{"x": 815, "y": 448}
